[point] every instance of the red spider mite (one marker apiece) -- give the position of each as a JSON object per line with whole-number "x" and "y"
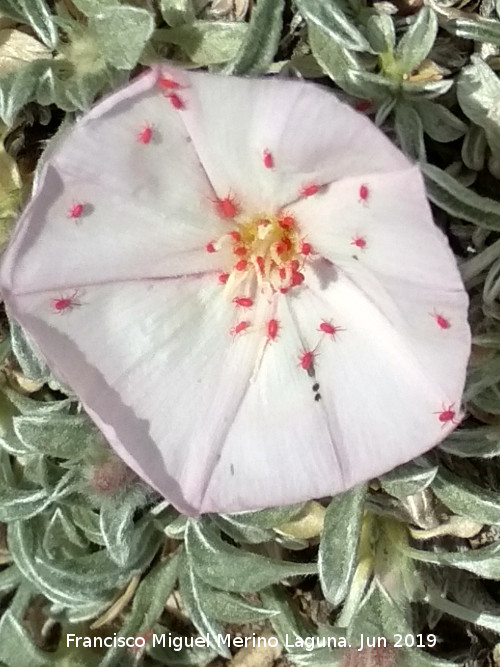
{"x": 223, "y": 278}
{"x": 286, "y": 222}
{"x": 268, "y": 160}
{"x": 363, "y": 193}
{"x": 175, "y": 101}
{"x": 359, "y": 242}
{"x": 441, "y": 321}
{"x": 362, "y": 105}
{"x": 145, "y": 134}
{"x": 272, "y": 328}
{"x": 226, "y": 208}
{"x": 305, "y": 248}
{"x": 241, "y": 265}
{"x": 239, "y": 328}
{"x": 447, "y": 414}
{"x": 328, "y": 328}
{"x": 65, "y": 303}
{"x": 309, "y": 190}
{"x": 297, "y": 278}
{"x": 243, "y": 301}
{"x": 306, "y": 359}
{"x": 168, "y": 84}
{"x": 75, "y": 211}
{"x": 209, "y": 247}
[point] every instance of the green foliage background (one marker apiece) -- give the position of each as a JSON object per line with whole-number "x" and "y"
{"x": 85, "y": 547}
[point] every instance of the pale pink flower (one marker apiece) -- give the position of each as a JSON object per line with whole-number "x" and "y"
{"x": 242, "y": 281}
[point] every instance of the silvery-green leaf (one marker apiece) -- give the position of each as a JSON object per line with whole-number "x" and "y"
{"x": 194, "y": 603}
{"x": 122, "y": 32}
{"x": 331, "y": 19}
{"x": 18, "y": 504}
{"x": 410, "y": 131}
{"x": 223, "y": 566}
{"x": 447, "y": 193}
{"x": 268, "y": 518}
{"x": 467, "y": 499}
{"x": 478, "y": 90}
{"x": 261, "y": 41}
{"x": 58, "y": 435}
{"x": 415, "y": 90}
{"x": 25, "y": 351}
{"x": 34, "y": 13}
{"x": 229, "y": 607}
{"x": 116, "y": 528}
{"x": 241, "y": 532}
{"x": 380, "y": 33}
{"x": 22, "y": 542}
{"x": 417, "y": 41}
{"x": 482, "y": 618}
{"x": 147, "y": 606}
{"x": 339, "y": 540}
{"x": 10, "y": 577}
{"x": 18, "y": 650}
{"x": 439, "y": 123}
{"x": 384, "y": 110}
{"x": 474, "y": 147}
{"x": 335, "y": 60}
{"x": 62, "y": 536}
{"x": 205, "y": 42}
{"x": 484, "y": 562}
{"x": 286, "y": 621}
{"x": 409, "y": 478}
{"x": 177, "y": 12}
{"x": 29, "y": 406}
{"x": 87, "y": 521}
{"x": 481, "y": 442}
{"x": 475, "y": 27}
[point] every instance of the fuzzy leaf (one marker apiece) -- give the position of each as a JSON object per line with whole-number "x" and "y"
{"x": 62, "y": 436}
{"x": 18, "y": 504}
{"x": 410, "y": 131}
{"x": 337, "y": 551}
{"x": 17, "y": 648}
{"x": 409, "y": 479}
{"x": 228, "y": 568}
{"x": 330, "y": 18}
{"x": 418, "y": 40}
{"x": 25, "y": 352}
{"x": 476, "y": 28}
{"x": 116, "y": 518}
{"x": 439, "y": 123}
{"x": 10, "y": 577}
{"x": 474, "y": 148}
{"x": 261, "y": 40}
{"x": 467, "y": 499}
{"x": 482, "y": 618}
{"x": 177, "y": 12}
{"x": 481, "y": 442}
{"x": 206, "y": 42}
{"x": 194, "y": 603}
{"x": 381, "y": 33}
{"x": 447, "y": 193}
{"x": 483, "y": 561}
{"x": 34, "y": 13}
{"x": 122, "y": 32}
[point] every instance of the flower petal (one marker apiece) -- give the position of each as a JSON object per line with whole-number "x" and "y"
{"x": 311, "y": 136}
{"x": 381, "y": 401}
{"x": 280, "y": 448}
{"x": 165, "y": 387}
{"x": 111, "y": 208}
{"x": 406, "y": 269}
